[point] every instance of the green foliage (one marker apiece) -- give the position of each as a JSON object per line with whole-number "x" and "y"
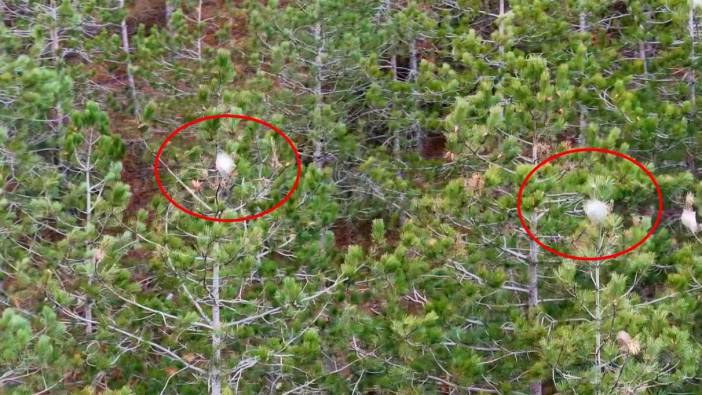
{"x": 398, "y": 265}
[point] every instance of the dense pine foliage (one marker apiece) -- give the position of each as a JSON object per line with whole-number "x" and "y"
{"x": 399, "y": 264}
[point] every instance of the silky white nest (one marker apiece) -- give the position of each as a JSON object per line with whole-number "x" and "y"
{"x": 224, "y": 164}
{"x": 689, "y": 219}
{"x": 689, "y": 216}
{"x": 596, "y": 210}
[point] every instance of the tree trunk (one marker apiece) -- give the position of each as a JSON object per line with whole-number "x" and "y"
{"x": 533, "y": 285}
{"x": 317, "y": 156}
{"x": 642, "y": 55}
{"x": 55, "y": 42}
{"x": 130, "y": 75}
{"x": 199, "y": 34}
{"x": 533, "y": 269}
{"x": 397, "y": 136}
{"x": 582, "y": 116}
{"x": 53, "y": 33}
{"x": 383, "y": 10}
{"x": 412, "y": 77}
{"x": 533, "y": 288}
{"x": 692, "y": 83}
{"x": 692, "y": 86}
{"x": 215, "y": 380}
{"x": 598, "y": 328}
{"x": 501, "y": 25}
{"x": 413, "y": 60}
{"x": 169, "y": 9}
{"x": 642, "y": 47}
{"x": 88, "y": 217}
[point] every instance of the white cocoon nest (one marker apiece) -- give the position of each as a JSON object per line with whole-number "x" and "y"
{"x": 596, "y": 210}
{"x": 689, "y": 219}
{"x": 224, "y": 164}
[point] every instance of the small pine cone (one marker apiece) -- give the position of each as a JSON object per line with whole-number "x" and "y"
{"x": 196, "y": 184}
{"x": 98, "y": 255}
{"x": 475, "y": 183}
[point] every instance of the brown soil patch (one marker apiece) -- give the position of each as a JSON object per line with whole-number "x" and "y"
{"x": 411, "y": 306}
{"x": 370, "y": 306}
{"x": 146, "y": 12}
{"x": 110, "y": 79}
{"x": 139, "y": 255}
{"x": 49, "y": 234}
{"x": 433, "y": 146}
{"x": 137, "y": 174}
{"x": 348, "y": 233}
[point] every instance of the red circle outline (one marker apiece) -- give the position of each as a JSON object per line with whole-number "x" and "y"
{"x": 236, "y": 116}
{"x": 590, "y": 149}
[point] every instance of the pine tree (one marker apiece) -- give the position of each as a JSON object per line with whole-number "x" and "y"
{"x": 314, "y": 54}
{"x": 33, "y": 351}
{"x": 417, "y": 121}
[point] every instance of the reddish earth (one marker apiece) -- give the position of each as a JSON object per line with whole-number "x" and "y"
{"x": 347, "y": 233}
{"x": 139, "y": 255}
{"x": 216, "y": 14}
{"x": 433, "y": 146}
{"x": 411, "y": 306}
{"x": 136, "y": 172}
{"x": 370, "y": 306}
{"x": 147, "y": 12}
